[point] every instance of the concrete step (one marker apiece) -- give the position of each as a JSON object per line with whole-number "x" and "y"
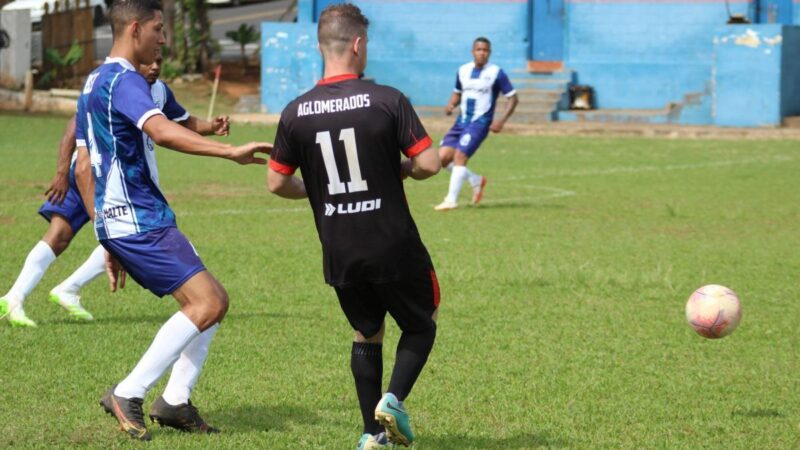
{"x": 563, "y": 75}
{"x": 536, "y": 107}
{"x": 540, "y": 83}
{"x": 533, "y": 94}
{"x": 533, "y": 116}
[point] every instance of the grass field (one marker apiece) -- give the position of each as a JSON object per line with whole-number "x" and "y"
{"x": 561, "y": 324}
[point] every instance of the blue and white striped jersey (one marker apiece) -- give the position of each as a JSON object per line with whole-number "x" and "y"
{"x": 114, "y": 105}
{"x": 479, "y": 88}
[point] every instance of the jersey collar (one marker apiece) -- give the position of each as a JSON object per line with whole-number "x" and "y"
{"x": 121, "y": 61}
{"x": 337, "y": 78}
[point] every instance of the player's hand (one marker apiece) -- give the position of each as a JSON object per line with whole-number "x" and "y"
{"x": 449, "y": 109}
{"x": 245, "y": 154}
{"x": 221, "y": 125}
{"x": 57, "y": 191}
{"x": 497, "y": 126}
{"x": 116, "y": 273}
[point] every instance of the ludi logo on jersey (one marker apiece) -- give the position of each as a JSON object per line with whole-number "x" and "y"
{"x": 352, "y": 207}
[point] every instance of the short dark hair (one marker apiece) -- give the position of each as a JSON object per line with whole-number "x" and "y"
{"x": 123, "y": 12}
{"x": 482, "y": 39}
{"x": 339, "y": 24}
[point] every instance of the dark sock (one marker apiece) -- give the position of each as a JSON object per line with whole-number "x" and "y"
{"x": 412, "y": 353}
{"x": 366, "y": 362}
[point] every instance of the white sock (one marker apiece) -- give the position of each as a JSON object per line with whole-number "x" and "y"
{"x": 170, "y": 341}
{"x": 474, "y": 179}
{"x": 456, "y": 180}
{"x": 37, "y": 262}
{"x": 186, "y": 369}
{"x": 449, "y": 167}
{"x": 93, "y": 267}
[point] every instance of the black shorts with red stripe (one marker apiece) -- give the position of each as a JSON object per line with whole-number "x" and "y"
{"x": 410, "y": 301}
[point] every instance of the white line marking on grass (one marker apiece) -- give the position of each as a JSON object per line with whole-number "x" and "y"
{"x": 641, "y": 169}
{"x": 554, "y": 192}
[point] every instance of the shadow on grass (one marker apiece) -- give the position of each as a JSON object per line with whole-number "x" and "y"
{"x": 161, "y": 318}
{"x": 532, "y": 440}
{"x": 250, "y": 418}
{"x": 758, "y": 413}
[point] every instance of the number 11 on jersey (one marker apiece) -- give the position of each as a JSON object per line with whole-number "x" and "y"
{"x": 335, "y": 185}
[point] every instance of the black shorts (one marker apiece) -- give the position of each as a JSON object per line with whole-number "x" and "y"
{"x": 410, "y": 301}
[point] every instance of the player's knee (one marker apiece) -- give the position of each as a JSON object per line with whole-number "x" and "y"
{"x": 217, "y": 306}
{"x": 224, "y": 303}
{"x": 58, "y": 242}
{"x": 445, "y": 156}
{"x": 372, "y": 335}
{"x": 460, "y": 159}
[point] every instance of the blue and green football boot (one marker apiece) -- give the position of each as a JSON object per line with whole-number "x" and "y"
{"x": 393, "y": 416}
{"x": 374, "y": 442}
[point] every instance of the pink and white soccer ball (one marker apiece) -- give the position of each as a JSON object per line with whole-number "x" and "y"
{"x": 713, "y": 311}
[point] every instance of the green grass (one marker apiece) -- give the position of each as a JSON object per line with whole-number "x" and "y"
{"x": 562, "y": 303}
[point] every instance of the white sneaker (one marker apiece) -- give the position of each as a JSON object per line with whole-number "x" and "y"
{"x": 16, "y": 316}
{"x": 446, "y": 206}
{"x": 71, "y": 303}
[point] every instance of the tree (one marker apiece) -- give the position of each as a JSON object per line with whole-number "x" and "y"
{"x": 245, "y": 34}
{"x": 192, "y": 35}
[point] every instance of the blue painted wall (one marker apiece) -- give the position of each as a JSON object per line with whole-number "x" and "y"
{"x": 642, "y": 54}
{"x": 790, "y": 72}
{"x": 749, "y": 97}
{"x": 417, "y": 46}
{"x": 290, "y": 62}
{"x": 547, "y": 37}
{"x": 637, "y": 54}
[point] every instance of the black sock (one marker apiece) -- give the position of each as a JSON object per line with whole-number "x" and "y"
{"x": 366, "y": 362}
{"x": 412, "y": 353}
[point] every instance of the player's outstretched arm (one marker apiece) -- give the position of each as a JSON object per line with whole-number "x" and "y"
{"x": 85, "y": 180}
{"x": 455, "y": 99}
{"x": 286, "y": 186}
{"x": 219, "y": 126}
{"x": 60, "y": 183}
{"x": 167, "y": 133}
{"x": 423, "y": 165}
{"x": 511, "y": 105}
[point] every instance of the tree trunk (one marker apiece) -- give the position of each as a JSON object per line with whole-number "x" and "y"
{"x": 169, "y": 26}
{"x": 244, "y": 60}
{"x": 205, "y": 36}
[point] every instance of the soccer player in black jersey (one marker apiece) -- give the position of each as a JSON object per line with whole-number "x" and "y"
{"x": 346, "y": 136}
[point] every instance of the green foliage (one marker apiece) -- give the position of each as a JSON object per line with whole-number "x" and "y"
{"x": 244, "y": 35}
{"x": 561, "y": 320}
{"x": 192, "y": 39}
{"x": 171, "y": 69}
{"x": 60, "y": 62}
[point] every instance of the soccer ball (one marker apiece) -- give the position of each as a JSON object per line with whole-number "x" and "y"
{"x": 713, "y": 311}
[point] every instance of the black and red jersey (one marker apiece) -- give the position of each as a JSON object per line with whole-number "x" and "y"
{"x": 346, "y": 136}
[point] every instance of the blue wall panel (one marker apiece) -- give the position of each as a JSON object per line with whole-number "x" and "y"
{"x": 548, "y": 30}
{"x": 643, "y": 54}
{"x": 290, "y": 62}
{"x": 637, "y": 54}
{"x": 417, "y": 46}
{"x": 747, "y": 75}
{"x": 790, "y": 72}
{"x": 796, "y": 10}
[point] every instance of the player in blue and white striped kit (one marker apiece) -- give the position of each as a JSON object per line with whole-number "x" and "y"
{"x": 478, "y": 84}
{"x": 116, "y": 117}
{"x": 66, "y": 214}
